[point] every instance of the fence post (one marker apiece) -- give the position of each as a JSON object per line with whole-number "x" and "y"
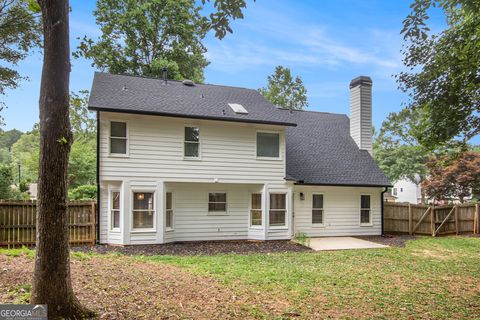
{"x": 476, "y": 217}
{"x": 410, "y": 221}
{"x": 456, "y": 220}
{"x": 93, "y": 229}
{"x": 432, "y": 220}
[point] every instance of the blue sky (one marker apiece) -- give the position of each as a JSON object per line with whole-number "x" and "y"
{"x": 327, "y": 43}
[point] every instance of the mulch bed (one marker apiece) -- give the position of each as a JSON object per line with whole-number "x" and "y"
{"x": 389, "y": 240}
{"x": 200, "y": 248}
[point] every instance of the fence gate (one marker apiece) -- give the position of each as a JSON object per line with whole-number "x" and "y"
{"x": 431, "y": 220}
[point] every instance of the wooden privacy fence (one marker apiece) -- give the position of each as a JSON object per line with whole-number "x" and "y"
{"x": 431, "y": 220}
{"x": 18, "y": 220}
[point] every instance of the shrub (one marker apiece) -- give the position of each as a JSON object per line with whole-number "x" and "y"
{"x": 85, "y": 192}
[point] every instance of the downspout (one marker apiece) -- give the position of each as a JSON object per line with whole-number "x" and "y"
{"x": 98, "y": 177}
{"x": 382, "y": 208}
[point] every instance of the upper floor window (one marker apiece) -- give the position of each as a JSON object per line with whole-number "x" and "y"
{"x": 317, "y": 208}
{"x": 118, "y": 137}
{"x": 268, "y": 145}
{"x": 192, "y": 142}
{"x": 365, "y": 209}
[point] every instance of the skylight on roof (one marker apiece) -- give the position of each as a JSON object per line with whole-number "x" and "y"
{"x": 238, "y": 108}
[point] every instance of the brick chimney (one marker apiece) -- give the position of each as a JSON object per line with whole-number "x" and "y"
{"x": 361, "y": 112}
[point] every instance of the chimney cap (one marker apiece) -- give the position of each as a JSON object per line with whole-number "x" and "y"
{"x": 362, "y": 80}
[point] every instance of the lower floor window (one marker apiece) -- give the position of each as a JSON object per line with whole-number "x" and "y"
{"x": 256, "y": 209}
{"x": 317, "y": 209}
{"x": 169, "y": 211}
{"x": 365, "y": 209}
{"x": 143, "y": 210}
{"x": 115, "y": 210}
{"x": 278, "y": 210}
{"x": 217, "y": 202}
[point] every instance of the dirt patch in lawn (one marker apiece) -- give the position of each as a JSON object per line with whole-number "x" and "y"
{"x": 201, "y": 248}
{"x": 125, "y": 288}
{"x": 389, "y": 240}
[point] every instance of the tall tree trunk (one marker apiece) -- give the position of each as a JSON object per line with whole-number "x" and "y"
{"x": 51, "y": 281}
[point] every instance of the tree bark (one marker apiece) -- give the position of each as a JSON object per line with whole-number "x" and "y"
{"x": 51, "y": 281}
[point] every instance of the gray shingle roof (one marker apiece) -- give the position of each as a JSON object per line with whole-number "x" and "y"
{"x": 131, "y": 94}
{"x": 319, "y": 147}
{"x": 321, "y": 151}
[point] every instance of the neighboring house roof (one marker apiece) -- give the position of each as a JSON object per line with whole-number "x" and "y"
{"x": 122, "y": 93}
{"x": 320, "y": 150}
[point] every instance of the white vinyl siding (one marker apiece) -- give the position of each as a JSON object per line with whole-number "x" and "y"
{"x": 341, "y": 211}
{"x": 156, "y": 151}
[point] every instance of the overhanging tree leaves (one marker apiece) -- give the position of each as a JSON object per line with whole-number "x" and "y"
{"x": 52, "y": 280}
{"x": 284, "y": 91}
{"x": 443, "y": 80}
{"x": 20, "y": 31}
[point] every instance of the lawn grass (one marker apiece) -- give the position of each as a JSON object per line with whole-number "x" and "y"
{"x": 430, "y": 278}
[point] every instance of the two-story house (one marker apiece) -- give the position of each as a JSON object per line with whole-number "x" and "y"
{"x": 179, "y": 161}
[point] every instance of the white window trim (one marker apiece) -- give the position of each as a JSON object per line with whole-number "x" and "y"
{"x": 217, "y": 213}
{"x": 285, "y": 227}
{"x": 318, "y": 225}
{"x": 127, "y": 138}
{"x": 143, "y": 230}
{"x": 168, "y": 229}
{"x": 250, "y": 211}
{"x": 199, "y": 143}
{"x": 110, "y": 209}
{"x": 369, "y": 224}
{"x": 280, "y": 137}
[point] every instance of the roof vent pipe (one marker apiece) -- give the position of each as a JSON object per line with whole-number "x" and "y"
{"x": 164, "y": 75}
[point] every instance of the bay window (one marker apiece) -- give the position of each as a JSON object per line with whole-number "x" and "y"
{"x": 278, "y": 210}
{"x": 143, "y": 210}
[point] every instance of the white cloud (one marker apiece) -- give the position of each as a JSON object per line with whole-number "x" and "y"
{"x": 295, "y": 43}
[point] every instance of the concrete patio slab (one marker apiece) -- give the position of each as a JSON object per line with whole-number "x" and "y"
{"x": 342, "y": 243}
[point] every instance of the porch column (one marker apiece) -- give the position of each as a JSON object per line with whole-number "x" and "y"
{"x": 265, "y": 204}
{"x": 160, "y": 211}
{"x": 126, "y": 212}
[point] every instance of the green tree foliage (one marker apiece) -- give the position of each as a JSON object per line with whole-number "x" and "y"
{"x": 26, "y": 153}
{"x": 8, "y": 138}
{"x": 82, "y": 160}
{"x": 82, "y": 164}
{"x": 442, "y": 77}
{"x": 85, "y": 192}
{"x": 142, "y": 37}
{"x": 6, "y": 181}
{"x": 19, "y": 32}
{"x": 396, "y": 150}
{"x": 451, "y": 178}
{"x": 82, "y": 120}
{"x": 7, "y": 189}
{"x": 284, "y": 91}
